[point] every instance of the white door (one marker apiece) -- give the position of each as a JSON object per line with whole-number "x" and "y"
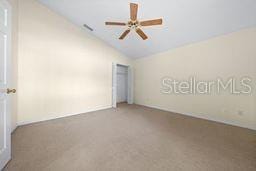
{"x": 114, "y": 71}
{"x": 5, "y": 118}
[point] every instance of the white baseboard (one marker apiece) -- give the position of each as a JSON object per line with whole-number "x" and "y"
{"x": 62, "y": 116}
{"x": 200, "y": 116}
{"x": 14, "y": 128}
{"x": 151, "y": 106}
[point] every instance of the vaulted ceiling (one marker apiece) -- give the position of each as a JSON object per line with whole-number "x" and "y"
{"x": 184, "y": 21}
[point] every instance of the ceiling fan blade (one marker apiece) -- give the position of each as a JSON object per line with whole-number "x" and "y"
{"x": 115, "y": 23}
{"x": 124, "y": 34}
{"x": 133, "y": 11}
{"x": 141, "y": 33}
{"x": 151, "y": 22}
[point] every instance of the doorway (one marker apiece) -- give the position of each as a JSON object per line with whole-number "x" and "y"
{"x": 122, "y": 84}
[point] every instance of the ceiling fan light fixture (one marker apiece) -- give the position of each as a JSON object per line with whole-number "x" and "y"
{"x": 135, "y": 24}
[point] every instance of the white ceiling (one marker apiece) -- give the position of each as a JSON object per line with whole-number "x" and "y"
{"x": 184, "y": 21}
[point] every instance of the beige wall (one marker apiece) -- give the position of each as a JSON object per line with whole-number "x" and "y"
{"x": 62, "y": 70}
{"x": 14, "y": 54}
{"x": 224, "y": 56}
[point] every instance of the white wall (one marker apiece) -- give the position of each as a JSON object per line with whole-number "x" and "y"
{"x": 62, "y": 70}
{"x": 224, "y": 56}
{"x": 122, "y": 84}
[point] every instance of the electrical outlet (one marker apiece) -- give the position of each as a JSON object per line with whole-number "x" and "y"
{"x": 240, "y": 112}
{"x": 224, "y": 110}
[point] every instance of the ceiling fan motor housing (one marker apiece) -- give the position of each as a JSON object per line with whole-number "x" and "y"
{"x": 133, "y": 24}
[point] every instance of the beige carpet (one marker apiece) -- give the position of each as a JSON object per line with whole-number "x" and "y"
{"x": 132, "y": 138}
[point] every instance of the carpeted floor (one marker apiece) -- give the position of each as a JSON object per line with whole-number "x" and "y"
{"x": 133, "y": 138}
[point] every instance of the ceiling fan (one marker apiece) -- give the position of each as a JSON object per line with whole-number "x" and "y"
{"x": 135, "y": 24}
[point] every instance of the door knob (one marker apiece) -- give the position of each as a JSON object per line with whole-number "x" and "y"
{"x": 10, "y": 91}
